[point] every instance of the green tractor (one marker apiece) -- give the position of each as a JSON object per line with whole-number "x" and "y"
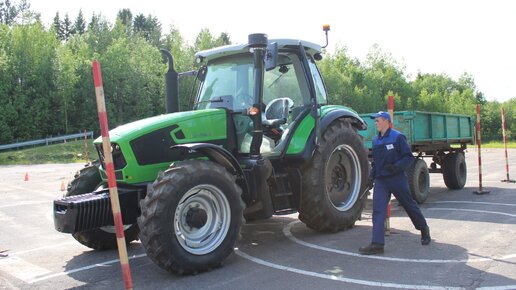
{"x": 261, "y": 140}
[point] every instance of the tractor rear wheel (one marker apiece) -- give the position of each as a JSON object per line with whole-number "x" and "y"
{"x": 333, "y": 184}
{"x": 191, "y": 217}
{"x": 88, "y": 180}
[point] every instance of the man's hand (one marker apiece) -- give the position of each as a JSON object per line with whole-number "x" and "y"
{"x": 370, "y": 183}
{"x": 391, "y": 167}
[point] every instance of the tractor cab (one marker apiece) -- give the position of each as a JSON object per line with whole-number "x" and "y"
{"x": 228, "y": 82}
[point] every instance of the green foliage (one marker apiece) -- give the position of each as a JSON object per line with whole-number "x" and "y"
{"x": 148, "y": 27}
{"x": 46, "y": 84}
{"x": 10, "y": 12}
{"x": 79, "y": 26}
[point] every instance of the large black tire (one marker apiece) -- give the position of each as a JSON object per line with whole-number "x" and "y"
{"x": 333, "y": 183}
{"x": 454, "y": 170}
{"x": 191, "y": 217}
{"x": 419, "y": 180}
{"x": 88, "y": 180}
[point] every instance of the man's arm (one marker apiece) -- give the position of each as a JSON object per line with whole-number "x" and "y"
{"x": 406, "y": 154}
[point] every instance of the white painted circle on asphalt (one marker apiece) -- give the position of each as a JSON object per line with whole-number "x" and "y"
{"x": 288, "y": 233}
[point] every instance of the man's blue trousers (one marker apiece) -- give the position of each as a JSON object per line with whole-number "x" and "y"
{"x": 397, "y": 185}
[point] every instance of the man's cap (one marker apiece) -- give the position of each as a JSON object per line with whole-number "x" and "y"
{"x": 382, "y": 114}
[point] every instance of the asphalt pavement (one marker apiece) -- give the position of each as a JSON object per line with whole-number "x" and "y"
{"x": 473, "y": 243}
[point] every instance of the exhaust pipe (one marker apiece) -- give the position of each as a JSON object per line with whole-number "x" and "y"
{"x": 171, "y": 84}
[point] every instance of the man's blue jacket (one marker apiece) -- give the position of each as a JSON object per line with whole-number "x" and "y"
{"x": 391, "y": 154}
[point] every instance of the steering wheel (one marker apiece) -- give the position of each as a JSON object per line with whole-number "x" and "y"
{"x": 243, "y": 101}
{"x": 278, "y": 108}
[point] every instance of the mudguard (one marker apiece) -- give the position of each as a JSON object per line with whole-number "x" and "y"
{"x": 214, "y": 153}
{"x": 334, "y": 114}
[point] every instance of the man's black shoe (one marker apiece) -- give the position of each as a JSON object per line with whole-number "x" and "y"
{"x": 371, "y": 249}
{"x": 425, "y": 236}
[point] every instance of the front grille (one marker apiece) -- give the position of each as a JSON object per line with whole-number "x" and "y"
{"x": 93, "y": 210}
{"x": 83, "y": 212}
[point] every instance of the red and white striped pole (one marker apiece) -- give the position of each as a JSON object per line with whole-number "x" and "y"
{"x": 480, "y": 190}
{"x": 387, "y": 224}
{"x": 110, "y": 169}
{"x": 505, "y": 146}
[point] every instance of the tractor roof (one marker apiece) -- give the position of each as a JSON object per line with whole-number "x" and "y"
{"x": 214, "y": 53}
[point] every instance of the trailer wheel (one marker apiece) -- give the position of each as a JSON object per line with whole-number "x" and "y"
{"x": 88, "y": 180}
{"x": 191, "y": 217}
{"x": 419, "y": 180}
{"x": 454, "y": 170}
{"x": 334, "y": 181}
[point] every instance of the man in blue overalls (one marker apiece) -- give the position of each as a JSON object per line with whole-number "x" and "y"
{"x": 391, "y": 156}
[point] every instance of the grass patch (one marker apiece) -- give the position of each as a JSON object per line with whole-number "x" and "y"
{"x": 493, "y": 144}
{"x": 70, "y": 152}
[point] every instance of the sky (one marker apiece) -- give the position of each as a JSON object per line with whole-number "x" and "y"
{"x": 428, "y": 36}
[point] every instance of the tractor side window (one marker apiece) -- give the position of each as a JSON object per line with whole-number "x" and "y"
{"x": 280, "y": 83}
{"x": 320, "y": 90}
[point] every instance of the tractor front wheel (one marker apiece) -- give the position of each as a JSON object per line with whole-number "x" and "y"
{"x": 191, "y": 217}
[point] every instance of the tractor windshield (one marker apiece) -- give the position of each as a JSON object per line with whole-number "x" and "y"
{"x": 229, "y": 83}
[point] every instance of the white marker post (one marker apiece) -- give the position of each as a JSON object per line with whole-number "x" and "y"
{"x": 505, "y": 146}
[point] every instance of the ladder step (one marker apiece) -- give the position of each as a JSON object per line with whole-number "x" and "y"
{"x": 280, "y": 194}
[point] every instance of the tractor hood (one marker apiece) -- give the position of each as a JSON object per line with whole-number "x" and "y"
{"x": 183, "y": 120}
{"x": 142, "y": 148}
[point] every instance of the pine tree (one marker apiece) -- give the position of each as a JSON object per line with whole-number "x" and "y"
{"x": 79, "y": 26}
{"x": 57, "y": 26}
{"x": 67, "y": 28}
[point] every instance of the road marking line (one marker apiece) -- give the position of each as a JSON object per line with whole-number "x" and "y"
{"x": 472, "y": 202}
{"x": 25, "y": 189}
{"x": 102, "y": 264}
{"x": 337, "y": 277}
{"x": 473, "y": 210}
{"x": 41, "y": 248}
{"x": 22, "y": 269}
{"x": 25, "y": 203}
{"x": 287, "y": 232}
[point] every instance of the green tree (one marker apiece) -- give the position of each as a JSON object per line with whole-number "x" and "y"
{"x": 10, "y": 12}
{"x": 491, "y": 121}
{"x": 149, "y": 27}
{"x": 79, "y": 26}
{"x": 56, "y": 25}
{"x": 66, "y": 79}
{"x": 510, "y": 118}
{"x": 184, "y": 60}
{"x": 223, "y": 39}
{"x": 383, "y": 77}
{"x": 7, "y": 114}
{"x": 66, "y": 27}
{"x": 343, "y": 75}
{"x": 135, "y": 79}
{"x": 99, "y": 33}
{"x": 126, "y": 16}
{"x": 204, "y": 40}
{"x": 31, "y": 55}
